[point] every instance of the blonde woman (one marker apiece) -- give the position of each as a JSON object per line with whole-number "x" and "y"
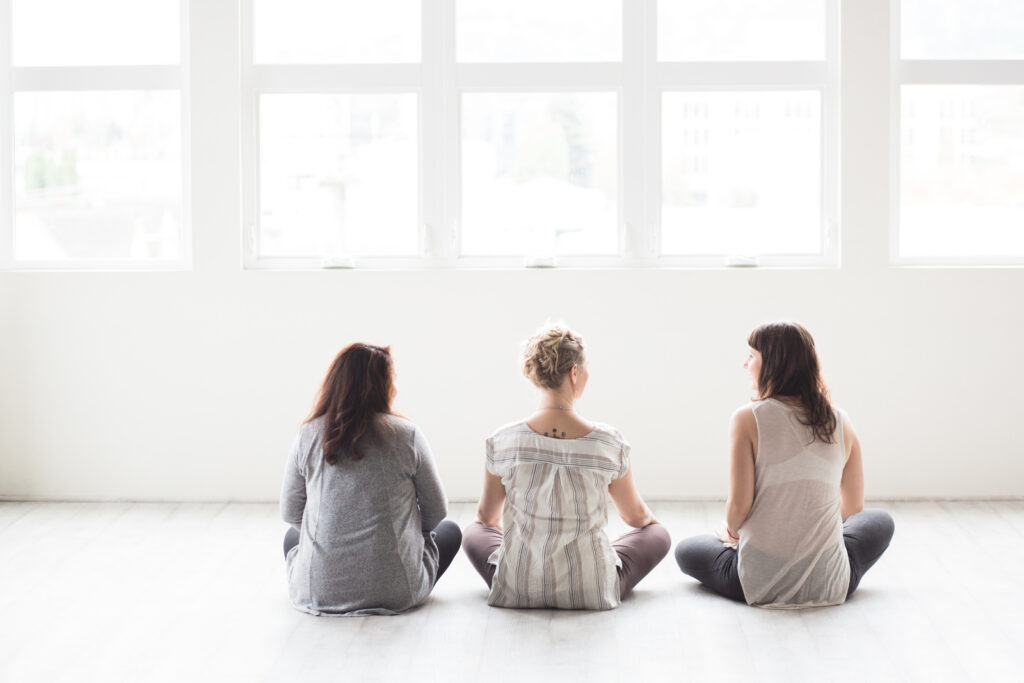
{"x": 539, "y": 538}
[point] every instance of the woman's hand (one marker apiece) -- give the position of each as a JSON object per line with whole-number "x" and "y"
{"x": 725, "y": 535}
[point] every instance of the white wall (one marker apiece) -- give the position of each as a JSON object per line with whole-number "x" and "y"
{"x": 190, "y": 385}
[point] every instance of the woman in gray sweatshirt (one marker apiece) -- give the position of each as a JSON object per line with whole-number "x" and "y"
{"x": 363, "y": 498}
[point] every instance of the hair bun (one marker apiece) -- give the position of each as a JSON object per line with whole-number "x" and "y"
{"x": 549, "y": 355}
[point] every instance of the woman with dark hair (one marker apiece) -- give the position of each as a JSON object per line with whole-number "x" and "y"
{"x": 539, "y": 538}
{"x": 363, "y": 498}
{"x": 796, "y": 533}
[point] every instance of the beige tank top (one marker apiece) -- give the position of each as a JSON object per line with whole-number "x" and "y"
{"x": 791, "y": 550}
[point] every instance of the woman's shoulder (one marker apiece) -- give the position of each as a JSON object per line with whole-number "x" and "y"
{"x": 605, "y": 428}
{"x": 745, "y": 418}
{"x": 398, "y": 428}
{"x": 748, "y": 410}
{"x": 307, "y": 442}
{"x": 310, "y": 429}
{"x": 606, "y": 433}
{"x": 843, "y": 423}
{"x": 398, "y": 422}
{"x": 509, "y": 429}
{"x": 765, "y": 409}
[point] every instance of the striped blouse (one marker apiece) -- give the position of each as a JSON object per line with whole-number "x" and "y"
{"x": 555, "y": 552}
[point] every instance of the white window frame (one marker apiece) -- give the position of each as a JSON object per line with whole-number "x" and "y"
{"x": 401, "y": 78}
{"x": 748, "y": 76}
{"x": 638, "y": 81}
{"x": 935, "y": 72}
{"x": 83, "y": 79}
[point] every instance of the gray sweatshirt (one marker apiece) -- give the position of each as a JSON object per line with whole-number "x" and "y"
{"x": 365, "y": 543}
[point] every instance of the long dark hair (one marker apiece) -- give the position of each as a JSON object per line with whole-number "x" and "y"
{"x": 789, "y": 367}
{"x": 357, "y": 390}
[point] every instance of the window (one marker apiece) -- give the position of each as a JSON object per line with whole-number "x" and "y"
{"x": 338, "y": 174}
{"x": 332, "y": 130}
{"x": 749, "y": 121}
{"x": 742, "y": 173}
{"x": 960, "y": 153}
{"x": 741, "y": 30}
{"x": 93, "y": 164}
{"x": 583, "y": 132}
{"x": 336, "y": 32}
{"x": 539, "y": 120}
{"x": 566, "y": 31}
{"x": 539, "y": 173}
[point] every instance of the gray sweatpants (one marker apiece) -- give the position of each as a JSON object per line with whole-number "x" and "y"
{"x": 866, "y": 535}
{"x": 640, "y": 551}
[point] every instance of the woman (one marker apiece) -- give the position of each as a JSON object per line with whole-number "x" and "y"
{"x": 796, "y": 533}
{"x": 363, "y": 498}
{"x": 539, "y": 537}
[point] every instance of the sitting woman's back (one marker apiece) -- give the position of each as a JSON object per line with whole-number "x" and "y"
{"x": 555, "y": 552}
{"x": 363, "y": 499}
{"x": 796, "y": 532}
{"x": 367, "y": 549}
{"x": 791, "y": 549}
{"x": 539, "y": 538}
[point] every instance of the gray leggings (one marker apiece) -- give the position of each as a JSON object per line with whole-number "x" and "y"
{"x": 640, "y": 551}
{"x": 866, "y": 535}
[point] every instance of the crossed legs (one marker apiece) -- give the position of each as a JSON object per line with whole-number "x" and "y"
{"x": 640, "y": 551}
{"x": 866, "y": 535}
{"x": 447, "y": 536}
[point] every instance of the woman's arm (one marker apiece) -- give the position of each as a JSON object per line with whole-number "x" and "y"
{"x": 488, "y": 512}
{"x": 742, "y": 449}
{"x": 628, "y": 502}
{"x": 851, "y": 490}
{"x": 293, "y": 491}
{"x": 429, "y": 490}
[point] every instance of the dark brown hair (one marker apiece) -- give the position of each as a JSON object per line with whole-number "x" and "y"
{"x": 357, "y": 390}
{"x": 789, "y": 367}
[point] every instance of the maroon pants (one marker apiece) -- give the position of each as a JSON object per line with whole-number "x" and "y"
{"x": 640, "y": 551}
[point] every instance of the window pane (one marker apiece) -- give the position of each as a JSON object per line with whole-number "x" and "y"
{"x": 738, "y": 30}
{"x": 962, "y": 29}
{"x": 539, "y": 31}
{"x": 741, "y": 173}
{"x": 962, "y": 170}
{"x": 338, "y": 175}
{"x": 336, "y": 31}
{"x": 539, "y": 173}
{"x": 97, "y": 32}
{"x": 97, "y": 175}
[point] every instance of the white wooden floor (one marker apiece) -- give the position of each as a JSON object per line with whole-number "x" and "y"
{"x": 190, "y": 592}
